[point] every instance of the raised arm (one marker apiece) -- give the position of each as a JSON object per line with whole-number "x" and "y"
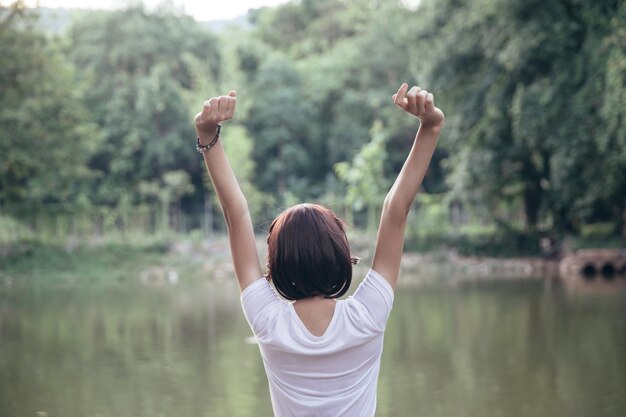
{"x": 234, "y": 205}
{"x": 390, "y": 241}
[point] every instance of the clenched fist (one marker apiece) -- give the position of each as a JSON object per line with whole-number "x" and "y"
{"x": 419, "y": 103}
{"x": 215, "y": 111}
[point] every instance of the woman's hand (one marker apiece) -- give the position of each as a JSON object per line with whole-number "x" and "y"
{"x": 215, "y": 111}
{"x": 419, "y": 103}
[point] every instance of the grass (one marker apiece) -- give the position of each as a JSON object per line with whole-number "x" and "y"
{"x": 111, "y": 262}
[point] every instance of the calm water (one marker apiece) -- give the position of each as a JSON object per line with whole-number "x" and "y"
{"x": 481, "y": 349}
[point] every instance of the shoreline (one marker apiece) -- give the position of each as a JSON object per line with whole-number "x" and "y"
{"x": 187, "y": 259}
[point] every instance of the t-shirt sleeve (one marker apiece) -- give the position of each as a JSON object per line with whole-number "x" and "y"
{"x": 376, "y": 296}
{"x": 257, "y": 300}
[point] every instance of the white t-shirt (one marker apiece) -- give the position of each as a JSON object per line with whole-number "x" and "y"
{"x": 333, "y": 375}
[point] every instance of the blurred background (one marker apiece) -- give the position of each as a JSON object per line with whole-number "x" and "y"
{"x": 116, "y": 290}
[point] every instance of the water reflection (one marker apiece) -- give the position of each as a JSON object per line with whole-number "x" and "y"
{"x": 482, "y": 349}
{"x": 128, "y": 352}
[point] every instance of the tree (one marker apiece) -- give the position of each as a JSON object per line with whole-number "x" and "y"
{"x": 364, "y": 177}
{"x": 280, "y": 120}
{"x": 331, "y": 70}
{"x": 141, "y": 70}
{"x": 528, "y": 87}
{"x": 46, "y": 134}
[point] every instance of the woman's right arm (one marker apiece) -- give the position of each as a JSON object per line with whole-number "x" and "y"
{"x": 234, "y": 205}
{"x": 390, "y": 240}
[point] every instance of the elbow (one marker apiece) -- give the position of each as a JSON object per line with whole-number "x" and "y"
{"x": 233, "y": 215}
{"x": 396, "y": 209}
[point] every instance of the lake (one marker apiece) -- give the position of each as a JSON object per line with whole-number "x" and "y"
{"x": 454, "y": 348}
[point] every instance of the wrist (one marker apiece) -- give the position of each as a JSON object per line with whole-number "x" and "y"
{"x": 432, "y": 126}
{"x": 206, "y": 133}
{"x": 205, "y": 142}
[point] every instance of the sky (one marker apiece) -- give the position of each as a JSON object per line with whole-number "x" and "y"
{"x": 201, "y": 10}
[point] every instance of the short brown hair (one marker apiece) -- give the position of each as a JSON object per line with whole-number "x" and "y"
{"x": 308, "y": 253}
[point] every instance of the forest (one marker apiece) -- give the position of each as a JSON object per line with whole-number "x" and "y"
{"x": 97, "y": 135}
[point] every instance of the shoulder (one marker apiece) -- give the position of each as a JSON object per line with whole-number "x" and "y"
{"x": 372, "y": 301}
{"x": 258, "y": 301}
{"x": 376, "y": 288}
{"x": 256, "y": 287}
{"x": 260, "y": 294}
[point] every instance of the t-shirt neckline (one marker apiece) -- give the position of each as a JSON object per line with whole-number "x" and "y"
{"x": 306, "y": 330}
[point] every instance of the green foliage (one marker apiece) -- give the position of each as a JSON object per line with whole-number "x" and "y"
{"x": 174, "y": 185}
{"x": 46, "y": 135}
{"x": 280, "y": 122}
{"x": 238, "y": 146}
{"x": 501, "y": 244}
{"x": 533, "y": 91}
{"x": 364, "y": 176}
{"x": 313, "y": 26}
{"x": 169, "y": 191}
{"x": 594, "y": 242}
{"x": 38, "y": 260}
{"x": 597, "y": 230}
{"x": 12, "y": 230}
{"x": 140, "y": 68}
{"x": 535, "y": 119}
{"x": 430, "y": 216}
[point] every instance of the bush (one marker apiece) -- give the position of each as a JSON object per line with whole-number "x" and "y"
{"x": 597, "y": 230}
{"x": 12, "y": 230}
{"x": 498, "y": 244}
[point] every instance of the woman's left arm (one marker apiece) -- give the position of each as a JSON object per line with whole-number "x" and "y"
{"x": 390, "y": 240}
{"x": 234, "y": 205}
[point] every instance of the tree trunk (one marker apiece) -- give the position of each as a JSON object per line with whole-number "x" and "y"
{"x": 532, "y": 205}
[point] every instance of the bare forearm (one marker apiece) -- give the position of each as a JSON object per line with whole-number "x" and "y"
{"x": 409, "y": 181}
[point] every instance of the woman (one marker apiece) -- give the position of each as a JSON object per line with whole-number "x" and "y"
{"x": 321, "y": 356}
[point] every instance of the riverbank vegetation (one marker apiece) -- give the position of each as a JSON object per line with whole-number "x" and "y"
{"x": 96, "y": 135}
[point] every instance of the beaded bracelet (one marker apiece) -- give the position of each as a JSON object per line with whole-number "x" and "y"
{"x": 204, "y": 148}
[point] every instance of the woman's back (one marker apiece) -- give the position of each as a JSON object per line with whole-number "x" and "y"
{"x": 333, "y": 374}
